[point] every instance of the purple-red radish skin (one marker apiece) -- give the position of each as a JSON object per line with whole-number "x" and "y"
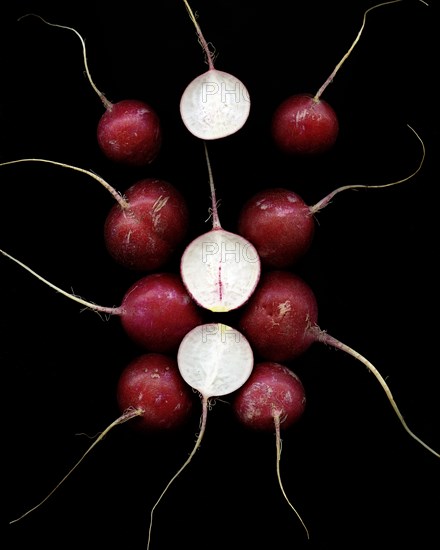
{"x": 278, "y": 316}
{"x": 279, "y": 224}
{"x": 157, "y": 312}
{"x": 130, "y": 132}
{"x": 152, "y": 382}
{"x": 144, "y": 236}
{"x": 302, "y": 125}
{"x": 271, "y": 390}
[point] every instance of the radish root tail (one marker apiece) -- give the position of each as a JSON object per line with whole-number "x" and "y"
{"x": 205, "y": 406}
{"x": 277, "y": 422}
{"x": 324, "y": 337}
{"x": 127, "y": 415}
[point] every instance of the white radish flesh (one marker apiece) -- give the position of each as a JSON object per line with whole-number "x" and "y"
{"x": 214, "y": 105}
{"x": 215, "y": 359}
{"x": 220, "y": 270}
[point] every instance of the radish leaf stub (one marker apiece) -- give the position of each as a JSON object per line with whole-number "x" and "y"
{"x": 214, "y": 105}
{"x": 215, "y": 359}
{"x": 220, "y": 270}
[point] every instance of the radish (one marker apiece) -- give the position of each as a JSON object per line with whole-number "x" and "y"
{"x": 272, "y": 398}
{"x": 281, "y": 226}
{"x": 146, "y": 226}
{"x": 215, "y": 104}
{"x": 280, "y": 322}
{"x": 152, "y": 382}
{"x": 220, "y": 269}
{"x": 129, "y": 132}
{"x": 146, "y": 235}
{"x": 152, "y": 395}
{"x": 156, "y": 311}
{"x": 214, "y": 359}
{"x": 305, "y": 124}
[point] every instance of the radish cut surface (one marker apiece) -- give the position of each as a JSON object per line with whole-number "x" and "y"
{"x": 215, "y": 359}
{"x": 220, "y": 270}
{"x": 214, "y": 105}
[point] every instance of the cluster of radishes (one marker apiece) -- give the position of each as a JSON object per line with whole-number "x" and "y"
{"x": 169, "y": 315}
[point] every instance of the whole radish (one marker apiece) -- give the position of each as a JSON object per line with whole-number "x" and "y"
{"x": 280, "y": 322}
{"x": 145, "y": 235}
{"x": 305, "y": 124}
{"x": 152, "y": 395}
{"x": 271, "y": 399}
{"x": 152, "y": 383}
{"x": 129, "y": 132}
{"x": 281, "y": 226}
{"x": 145, "y": 227}
{"x": 156, "y": 311}
{"x": 272, "y": 394}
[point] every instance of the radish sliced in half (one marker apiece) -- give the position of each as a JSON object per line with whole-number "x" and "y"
{"x": 215, "y": 359}
{"x": 214, "y": 105}
{"x": 220, "y": 270}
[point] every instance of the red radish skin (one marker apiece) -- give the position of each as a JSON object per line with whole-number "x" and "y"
{"x": 279, "y": 224}
{"x": 303, "y": 125}
{"x": 157, "y": 312}
{"x": 152, "y": 383}
{"x": 130, "y": 132}
{"x": 278, "y": 315}
{"x": 145, "y": 235}
{"x": 272, "y": 390}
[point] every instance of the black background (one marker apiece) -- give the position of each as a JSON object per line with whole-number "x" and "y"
{"x": 353, "y": 473}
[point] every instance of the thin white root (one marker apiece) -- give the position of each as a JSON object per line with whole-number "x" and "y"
{"x": 326, "y": 200}
{"x": 107, "y": 104}
{"x": 356, "y": 40}
{"x": 325, "y": 338}
{"x": 127, "y": 415}
{"x": 88, "y": 305}
{"x": 115, "y": 194}
{"x": 278, "y": 447}
{"x": 188, "y": 460}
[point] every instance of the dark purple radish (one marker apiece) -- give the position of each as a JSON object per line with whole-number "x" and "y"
{"x": 305, "y": 124}
{"x": 215, "y": 360}
{"x": 152, "y": 383}
{"x": 144, "y": 236}
{"x": 152, "y": 395}
{"x": 215, "y": 104}
{"x": 271, "y": 399}
{"x": 220, "y": 269}
{"x": 156, "y": 311}
{"x": 280, "y": 322}
{"x": 281, "y": 225}
{"x": 129, "y": 132}
{"x": 143, "y": 230}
